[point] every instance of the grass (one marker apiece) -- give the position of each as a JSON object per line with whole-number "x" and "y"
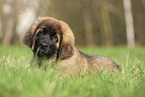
{"x": 19, "y": 80}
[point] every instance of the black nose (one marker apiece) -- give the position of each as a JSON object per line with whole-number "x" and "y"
{"x": 43, "y": 44}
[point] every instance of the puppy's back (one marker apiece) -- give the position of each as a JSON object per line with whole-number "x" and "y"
{"x": 98, "y": 63}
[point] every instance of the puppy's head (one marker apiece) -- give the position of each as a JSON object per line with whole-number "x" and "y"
{"x": 51, "y": 38}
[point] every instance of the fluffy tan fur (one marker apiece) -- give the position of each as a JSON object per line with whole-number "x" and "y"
{"x": 68, "y": 37}
{"x": 77, "y": 61}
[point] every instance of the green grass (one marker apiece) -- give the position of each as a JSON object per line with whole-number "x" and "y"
{"x": 19, "y": 80}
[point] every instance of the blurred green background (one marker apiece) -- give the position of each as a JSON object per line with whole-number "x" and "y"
{"x": 94, "y": 22}
{"x": 104, "y": 23}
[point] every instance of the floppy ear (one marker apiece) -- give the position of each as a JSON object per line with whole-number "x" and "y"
{"x": 66, "y": 51}
{"x": 28, "y": 39}
{"x": 29, "y": 35}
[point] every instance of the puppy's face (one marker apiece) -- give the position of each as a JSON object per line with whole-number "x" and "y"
{"x": 46, "y": 42}
{"x": 50, "y": 38}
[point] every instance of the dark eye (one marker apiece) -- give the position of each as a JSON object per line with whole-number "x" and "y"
{"x": 56, "y": 37}
{"x": 41, "y": 32}
{"x": 53, "y": 34}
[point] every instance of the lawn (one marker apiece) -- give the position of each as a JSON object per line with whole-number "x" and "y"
{"x": 19, "y": 80}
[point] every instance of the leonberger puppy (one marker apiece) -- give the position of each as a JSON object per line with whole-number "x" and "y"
{"x": 53, "y": 39}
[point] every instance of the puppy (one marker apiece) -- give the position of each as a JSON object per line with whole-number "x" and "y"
{"x": 53, "y": 39}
